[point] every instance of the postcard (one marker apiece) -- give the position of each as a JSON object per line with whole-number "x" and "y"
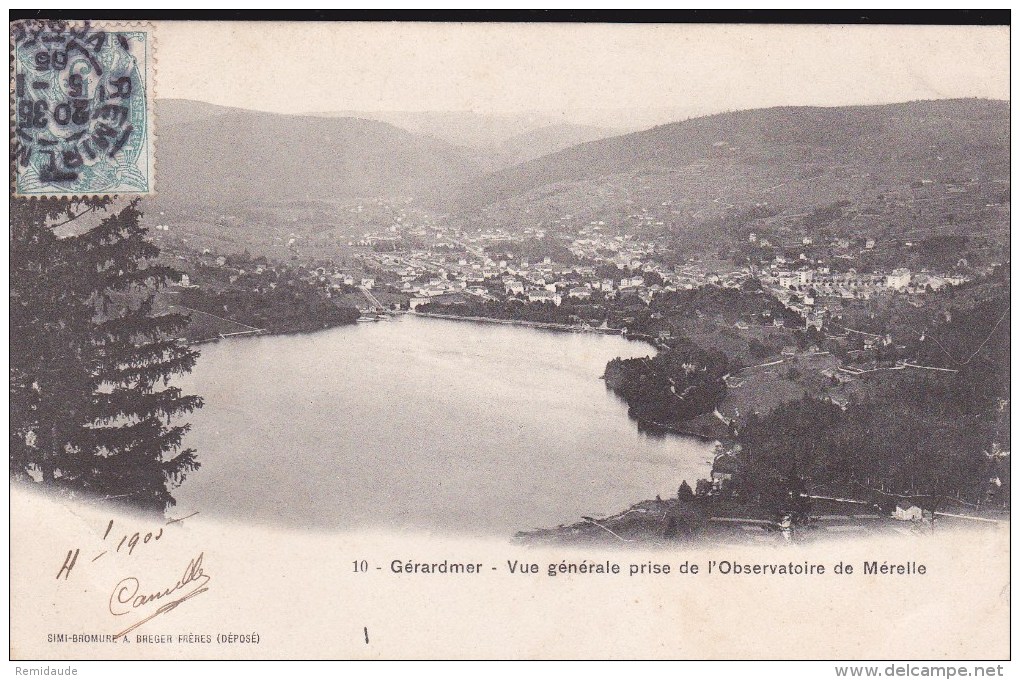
{"x": 502, "y": 340}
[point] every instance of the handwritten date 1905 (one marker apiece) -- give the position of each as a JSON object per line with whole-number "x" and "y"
{"x": 132, "y": 540}
{"x": 127, "y": 543}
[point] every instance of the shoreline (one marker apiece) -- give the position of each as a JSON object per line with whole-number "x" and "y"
{"x": 652, "y": 426}
{"x": 709, "y": 520}
{"x": 568, "y": 328}
{"x": 524, "y": 323}
{"x": 266, "y": 333}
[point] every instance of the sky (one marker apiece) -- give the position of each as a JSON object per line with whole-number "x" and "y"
{"x": 572, "y": 69}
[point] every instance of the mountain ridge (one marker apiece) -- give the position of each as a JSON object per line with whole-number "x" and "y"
{"x": 886, "y": 171}
{"x": 211, "y": 155}
{"x": 647, "y": 145}
{"x": 784, "y": 161}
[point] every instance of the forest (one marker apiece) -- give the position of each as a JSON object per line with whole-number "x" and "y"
{"x": 286, "y": 309}
{"x": 927, "y": 435}
{"x": 676, "y": 385}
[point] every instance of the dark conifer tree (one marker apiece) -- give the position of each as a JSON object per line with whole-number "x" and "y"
{"x": 92, "y": 410}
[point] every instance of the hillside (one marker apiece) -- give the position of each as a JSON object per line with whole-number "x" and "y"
{"x": 216, "y": 156}
{"x": 897, "y": 173}
{"x": 774, "y": 167}
{"x": 547, "y": 139}
{"x": 500, "y": 141}
{"x": 171, "y": 113}
{"x": 460, "y": 128}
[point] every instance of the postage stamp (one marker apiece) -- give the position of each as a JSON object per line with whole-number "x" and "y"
{"x": 81, "y": 97}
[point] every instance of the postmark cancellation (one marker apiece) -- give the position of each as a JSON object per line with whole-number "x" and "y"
{"x": 81, "y": 98}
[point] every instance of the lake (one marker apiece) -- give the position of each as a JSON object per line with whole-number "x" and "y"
{"x": 418, "y": 423}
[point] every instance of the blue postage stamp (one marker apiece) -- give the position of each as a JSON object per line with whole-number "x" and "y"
{"x": 82, "y": 109}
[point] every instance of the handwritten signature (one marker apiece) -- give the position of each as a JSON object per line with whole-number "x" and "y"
{"x": 128, "y": 595}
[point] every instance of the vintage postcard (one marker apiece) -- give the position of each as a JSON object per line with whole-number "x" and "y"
{"x": 445, "y": 340}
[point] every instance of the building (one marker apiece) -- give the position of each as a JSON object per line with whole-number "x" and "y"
{"x": 720, "y": 480}
{"x": 632, "y": 282}
{"x": 580, "y": 293}
{"x": 907, "y": 512}
{"x": 899, "y": 279}
{"x": 514, "y": 287}
{"x": 418, "y": 301}
{"x": 545, "y": 296}
{"x": 787, "y": 279}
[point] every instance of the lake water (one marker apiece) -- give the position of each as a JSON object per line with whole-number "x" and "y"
{"x": 422, "y": 424}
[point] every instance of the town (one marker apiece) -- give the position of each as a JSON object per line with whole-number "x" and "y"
{"x": 583, "y": 275}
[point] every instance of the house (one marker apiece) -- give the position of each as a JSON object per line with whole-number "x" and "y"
{"x": 787, "y": 279}
{"x": 580, "y": 293}
{"x": 544, "y": 296}
{"x": 431, "y": 291}
{"x": 368, "y": 283}
{"x": 418, "y": 301}
{"x": 514, "y": 287}
{"x": 632, "y": 282}
{"x": 907, "y": 512}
